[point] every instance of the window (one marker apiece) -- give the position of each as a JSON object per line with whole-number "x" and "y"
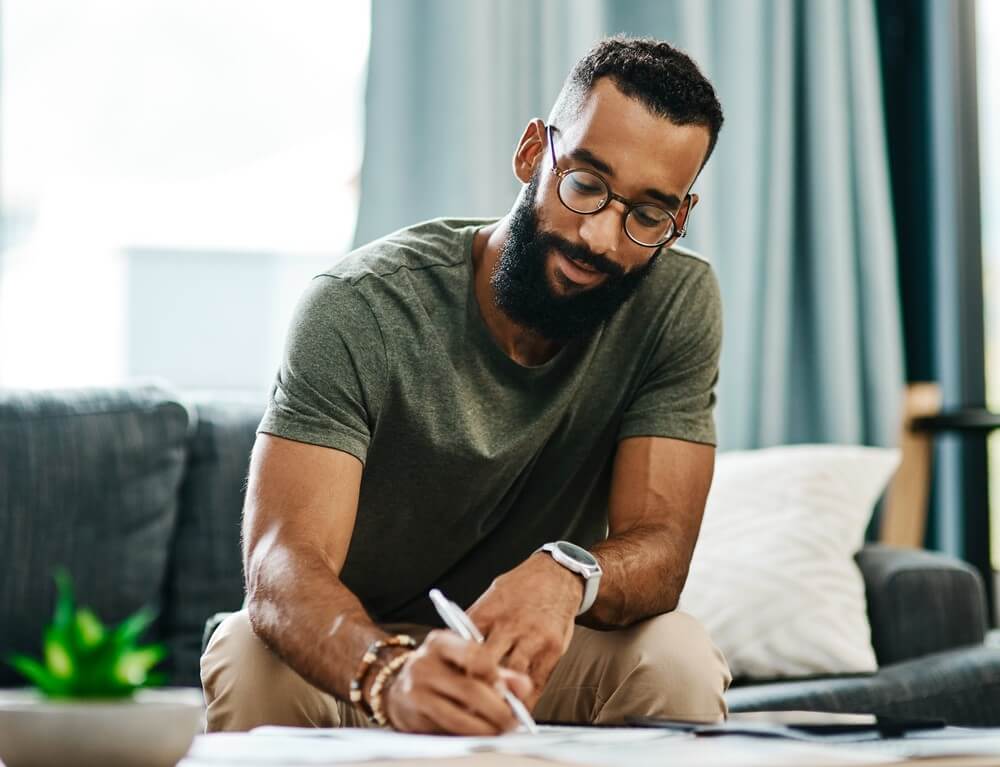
{"x": 172, "y": 175}
{"x": 988, "y": 50}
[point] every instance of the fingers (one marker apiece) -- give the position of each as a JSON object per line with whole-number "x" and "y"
{"x": 450, "y": 685}
{"x": 499, "y": 643}
{"x": 535, "y": 657}
{"x": 472, "y": 681}
{"x": 472, "y": 658}
{"x": 445, "y": 716}
{"x": 477, "y": 698}
{"x": 521, "y": 656}
{"x": 518, "y": 683}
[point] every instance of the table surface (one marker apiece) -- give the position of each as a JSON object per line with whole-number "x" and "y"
{"x": 823, "y": 757}
{"x": 504, "y": 760}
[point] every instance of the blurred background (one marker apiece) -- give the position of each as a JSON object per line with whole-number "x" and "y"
{"x": 173, "y": 173}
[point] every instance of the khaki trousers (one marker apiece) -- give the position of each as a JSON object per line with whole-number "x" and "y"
{"x": 665, "y": 666}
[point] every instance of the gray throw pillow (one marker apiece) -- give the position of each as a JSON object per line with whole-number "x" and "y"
{"x": 89, "y": 481}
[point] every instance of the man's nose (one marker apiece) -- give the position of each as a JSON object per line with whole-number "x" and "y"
{"x": 602, "y": 231}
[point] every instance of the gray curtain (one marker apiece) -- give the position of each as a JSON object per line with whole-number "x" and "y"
{"x": 960, "y": 517}
{"x": 451, "y": 85}
{"x": 795, "y": 212}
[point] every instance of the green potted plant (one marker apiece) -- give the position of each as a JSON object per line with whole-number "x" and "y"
{"x": 89, "y": 702}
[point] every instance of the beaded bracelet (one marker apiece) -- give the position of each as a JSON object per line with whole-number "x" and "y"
{"x": 370, "y": 656}
{"x": 378, "y": 686}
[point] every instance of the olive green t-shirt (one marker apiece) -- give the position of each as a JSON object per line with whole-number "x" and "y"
{"x": 471, "y": 460}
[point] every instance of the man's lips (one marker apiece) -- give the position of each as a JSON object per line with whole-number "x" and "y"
{"x": 577, "y": 271}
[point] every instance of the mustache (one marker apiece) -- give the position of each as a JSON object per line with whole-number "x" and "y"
{"x": 549, "y": 241}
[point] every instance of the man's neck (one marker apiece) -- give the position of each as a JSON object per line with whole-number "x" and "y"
{"x": 522, "y": 345}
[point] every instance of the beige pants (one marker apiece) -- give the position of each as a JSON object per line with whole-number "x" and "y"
{"x": 666, "y": 666}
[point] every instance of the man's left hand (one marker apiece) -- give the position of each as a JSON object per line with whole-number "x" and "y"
{"x": 527, "y": 617}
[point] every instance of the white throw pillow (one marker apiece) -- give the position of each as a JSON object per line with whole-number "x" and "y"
{"x": 773, "y": 577}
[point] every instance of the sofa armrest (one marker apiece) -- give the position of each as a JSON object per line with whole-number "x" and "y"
{"x": 920, "y": 602}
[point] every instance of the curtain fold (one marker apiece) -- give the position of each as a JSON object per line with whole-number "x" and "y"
{"x": 960, "y": 519}
{"x": 795, "y": 215}
{"x": 451, "y": 85}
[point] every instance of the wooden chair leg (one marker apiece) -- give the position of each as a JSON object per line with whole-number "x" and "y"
{"x": 904, "y": 514}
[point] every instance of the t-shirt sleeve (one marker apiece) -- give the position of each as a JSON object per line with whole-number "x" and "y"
{"x": 330, "y": 385}
{"x": 676, "y": 395}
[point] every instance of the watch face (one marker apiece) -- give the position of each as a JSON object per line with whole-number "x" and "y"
{"x": 576, "y": 553}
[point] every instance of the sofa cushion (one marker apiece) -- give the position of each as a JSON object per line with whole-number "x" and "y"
{"x": 205, "y": 573}
{"x": 960, "y": 687}
{"x": 88, "y": 481}
{"x": 773, "y": 576}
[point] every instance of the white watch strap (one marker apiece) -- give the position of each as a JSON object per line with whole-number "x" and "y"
{"x": 591, "y": 583}
{"x": 590, "y": 586}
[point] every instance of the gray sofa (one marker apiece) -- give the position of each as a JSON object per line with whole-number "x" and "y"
{"x": 138, "y": 492}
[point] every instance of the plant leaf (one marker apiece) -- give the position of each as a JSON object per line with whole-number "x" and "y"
{"x": 89, "y": 631}
{"x": 132, "y": 667}
{"x": 129, "y": 630}
{"x": 37, "y": 674}
{"x": 58, "y": 655}
{"x": 62, "y": 618}
{"x": 82, "y": 658}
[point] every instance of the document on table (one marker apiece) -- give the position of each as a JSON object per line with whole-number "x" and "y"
{"x": 302, "y": 745}
{"x": 948, "y": 742}
{"x": 599, "y": 746}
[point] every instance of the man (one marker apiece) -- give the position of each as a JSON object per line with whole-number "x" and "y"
{"x": 461, "y": 393}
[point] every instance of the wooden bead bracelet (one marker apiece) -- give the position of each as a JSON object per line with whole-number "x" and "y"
{"x": 379, "y": 685}
{"x": 370, "y": 656}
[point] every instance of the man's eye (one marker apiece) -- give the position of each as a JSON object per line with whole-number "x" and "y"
{"x": 580, "y": 186}
{"x": 646, "y": 217}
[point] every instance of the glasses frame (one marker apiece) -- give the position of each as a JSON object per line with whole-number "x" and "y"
{"x": 629, "y": 205}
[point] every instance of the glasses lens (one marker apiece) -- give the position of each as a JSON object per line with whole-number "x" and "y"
{"x": 582, "y": 191}
{"x": 649, "y": 225}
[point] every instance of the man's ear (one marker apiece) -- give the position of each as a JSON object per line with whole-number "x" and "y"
{"x": 686, "y": 207}
{"x": 530, "y": 150}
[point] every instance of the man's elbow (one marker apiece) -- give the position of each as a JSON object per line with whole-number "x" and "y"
{"x": 262, "y": 615}
{"x": 261, "y": 602}
{"x": 630, "y": 609}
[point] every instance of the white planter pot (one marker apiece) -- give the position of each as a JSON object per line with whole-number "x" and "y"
{"x": 154, "y": 728}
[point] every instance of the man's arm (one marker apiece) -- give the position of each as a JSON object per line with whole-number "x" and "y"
{"x": 298, "y": 520}
{"x": 658, "y": 493}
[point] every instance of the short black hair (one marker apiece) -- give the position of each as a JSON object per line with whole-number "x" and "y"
{"x": 662, "y": 77}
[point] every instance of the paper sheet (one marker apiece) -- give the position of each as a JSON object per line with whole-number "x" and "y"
{"x": 602, "y": 747}
{"x": 950, "y": 742}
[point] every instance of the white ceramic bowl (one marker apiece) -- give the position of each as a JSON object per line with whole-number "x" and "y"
{"x": 154, "y": 729}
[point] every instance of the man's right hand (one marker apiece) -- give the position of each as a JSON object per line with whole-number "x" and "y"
{"x": 297, "y": 525}
{"x": 451, "y": 685}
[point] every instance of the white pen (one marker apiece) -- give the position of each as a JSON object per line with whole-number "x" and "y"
{"x": 454, "y": 617}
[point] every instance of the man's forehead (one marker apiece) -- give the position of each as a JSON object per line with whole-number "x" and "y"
{"x": 641, "y": 148}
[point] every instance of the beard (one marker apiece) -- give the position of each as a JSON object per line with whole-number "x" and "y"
{"x": 521, "y": 289}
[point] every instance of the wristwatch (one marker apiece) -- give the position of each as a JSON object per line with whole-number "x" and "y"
{"x": 581, "y": 562}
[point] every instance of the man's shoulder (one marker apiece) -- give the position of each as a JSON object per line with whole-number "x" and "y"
{"x": 679, "y": 258}
{"x": 680, "y": 291}
{"x": 439, "y": 242}
{"x": 678, "y": 270}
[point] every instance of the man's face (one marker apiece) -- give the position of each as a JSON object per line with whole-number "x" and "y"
{"x": 561, "y": 273}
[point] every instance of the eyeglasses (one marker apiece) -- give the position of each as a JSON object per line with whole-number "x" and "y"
{"x": 586, "y": 192}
